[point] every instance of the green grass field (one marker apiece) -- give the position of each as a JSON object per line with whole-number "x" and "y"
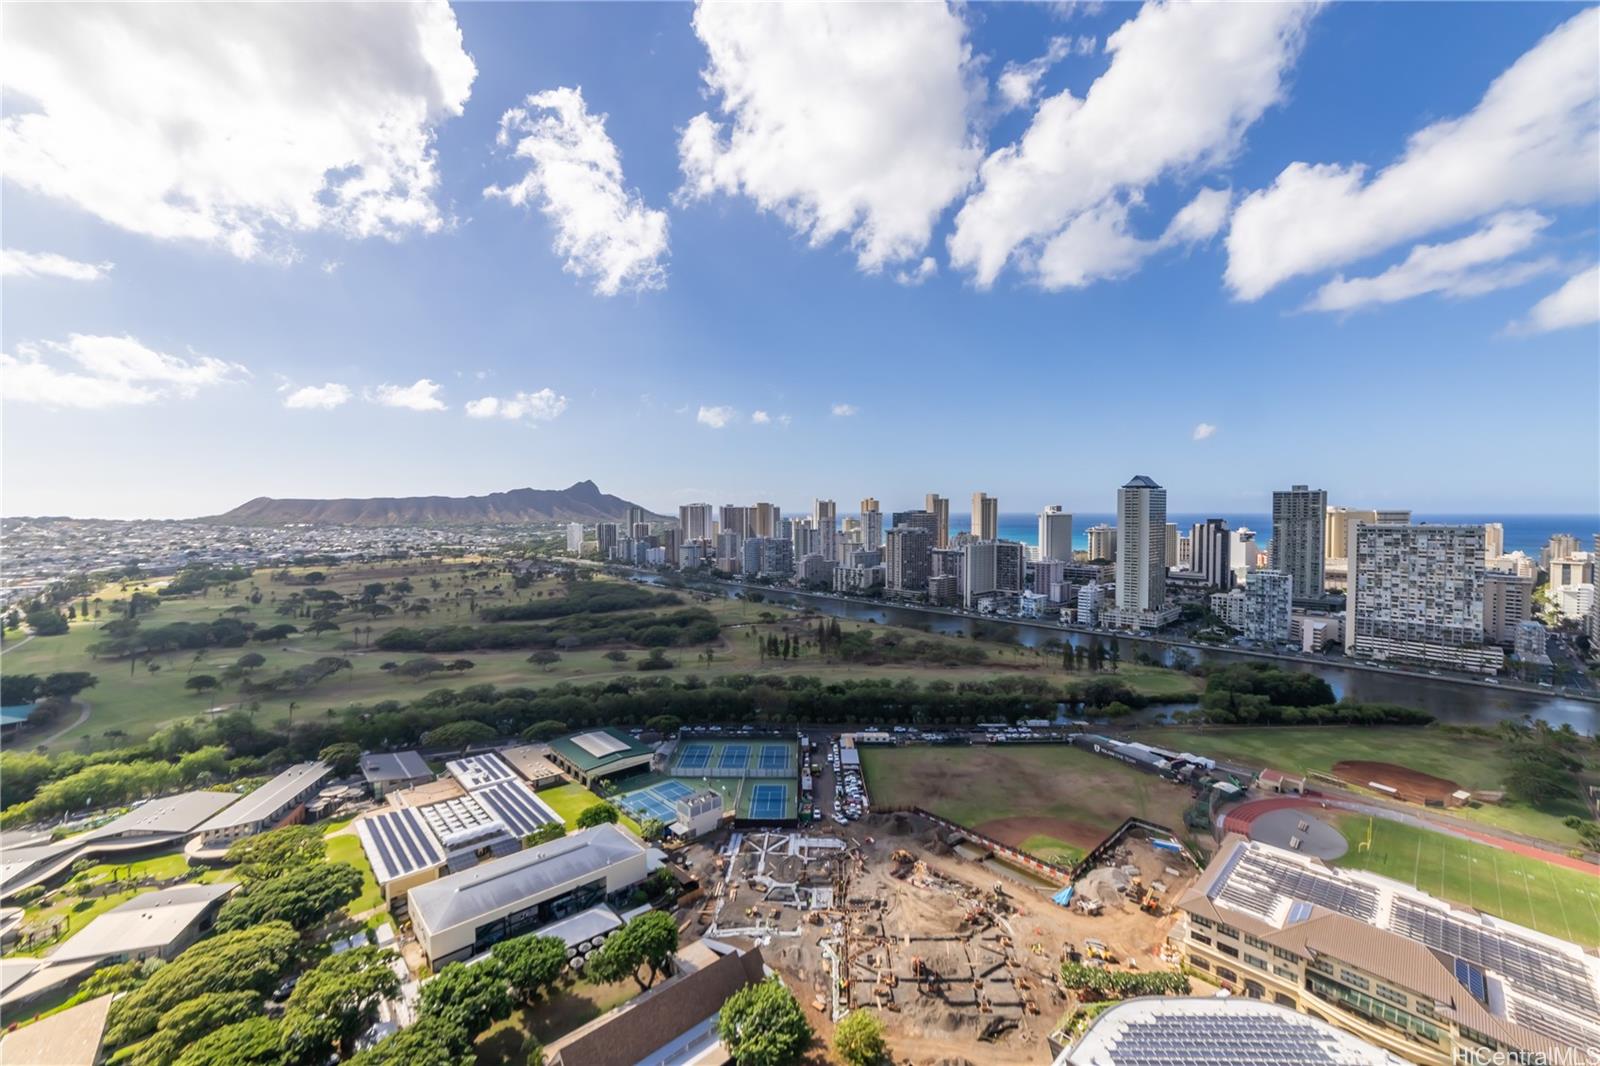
{"x": 138, "y": 701}
{"x": 1552, "y": 899}
{"x": 1053, "y": 800}
{"x": 570, "y": 800}
{"x": 347, "y": 848}
{"x": 1473, "y": 762}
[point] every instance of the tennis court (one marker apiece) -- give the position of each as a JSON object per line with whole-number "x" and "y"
{"x": 734, "y": 757}
{"x": 656, "y": 801}
{"x": 774, "y": 757}
{"x": 769, "y": 802}
{"x": 694, "y": 757}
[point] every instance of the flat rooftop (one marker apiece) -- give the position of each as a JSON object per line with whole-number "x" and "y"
{"x": 456, "y": 821}
{"x": 70, "y": 1038}
{"x": 398, "y": 843}
{"x": 267, "y": 799}
{"x": 531, "y": 761}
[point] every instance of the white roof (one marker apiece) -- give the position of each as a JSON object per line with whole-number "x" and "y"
{"x": 267, "y": 799}
{"x": 398, "y": 842}
{"x": 477, "y": 771}
{"x": 600, "y": 744}
{"x": 394, "y": 766}
{"x": 144, "y": 923}
{"x": 458, "y": 820}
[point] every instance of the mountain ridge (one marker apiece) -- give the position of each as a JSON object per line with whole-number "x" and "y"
{"x": 580, "y": 502}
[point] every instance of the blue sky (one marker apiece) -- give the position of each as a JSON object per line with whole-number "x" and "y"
{"x": 1025, "y": 249}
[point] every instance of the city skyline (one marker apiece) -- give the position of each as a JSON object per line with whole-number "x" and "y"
{"x": 546, "y": 274}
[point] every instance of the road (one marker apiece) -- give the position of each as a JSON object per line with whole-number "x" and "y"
{"x": 83, "y": 716}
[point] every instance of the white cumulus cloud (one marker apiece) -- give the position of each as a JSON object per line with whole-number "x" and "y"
{"x": 89, "y": 372}
{"x": 1204, "y": 431}
{"x": 1185, "y": 83}
{"x": 715, "y": 417}
{"x": 1456, "y": 268}
{"x": 1576, "y": 303}
{"x": 542, "y": 406}
{"x": 841, "y": 119}
{"x": 1018, "y": 82}
{"x": 318, "y": 397}
{"x": 18, "y": 264}
{"x": 234, "y": 124}
{"x": 760, "y": 418}
{"x": 844, "y": 410}
{"x": 1532, "y": 139}
{"x": 420, "y": 395}
{"x": 918, "y": 274}
{"x": 605, "y": 231}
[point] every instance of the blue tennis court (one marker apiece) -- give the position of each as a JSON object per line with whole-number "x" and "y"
{"x": 768, "y": 801}
{"x": 650, "y": 803}
{"x": 694, "y": 757}
{"x": 734, "y": 757}
{"x": 774, "y": 757}
{"x": 673, "y": 790}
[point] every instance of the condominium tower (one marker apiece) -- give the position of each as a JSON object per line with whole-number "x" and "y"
{"x": 985, "y": 516}
{"x": 939, "y": 507}
{"x": 1141, "y": 545}
{"x": 1299, "y": 523}
{"x": 1416, "y": 594}
{"x": 1055, "y": 534}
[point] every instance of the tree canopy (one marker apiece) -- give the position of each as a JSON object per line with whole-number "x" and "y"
{"x": 470, "y": 998}
{"x": 532, "y": 963}
{"x": 334, "y": 1001}
{"x": 762, "y": 1025}
{"x": 302, "y": 897}
{"x": 277, "y": 851}
{"x": 858, "y": 1038}
{"x": 598, "y": 814}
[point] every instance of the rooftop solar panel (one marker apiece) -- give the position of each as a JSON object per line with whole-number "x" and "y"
{"x": 476, "y": 771}
{"x": 515, "y": 804}
{"x": 398, "y": 843}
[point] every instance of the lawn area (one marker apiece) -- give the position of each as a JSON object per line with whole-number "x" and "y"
{"x": 570, "y": 800}
{"x": 347, "y": 848}
{"x": 1552, "y": 899}
{"x": 1473, "y": 762}
{"x": 139, "y": 701}
{"x": 569, "y": 1007}
{"x": 78, "y": 911}
{"x": 1051, "y": 800}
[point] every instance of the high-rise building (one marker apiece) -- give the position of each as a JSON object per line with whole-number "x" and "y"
{"x": 1055, "y": 534}
{"x": 1172, "y": 545}
{"x": 1185, "y": 551}
{"x": 825, "y": 517}
{"x": 921, "y": 519}
{"x": 605, "y": 537}
{"x": 1416, "y": 594}
{"x": 766, "y": 520}
{"x": 1574, "y": 568}
{"x": 1211, "y": 552}
{"x": 1091, "y": 600}
{"x": 1268, "y": 597}
{"x": 1560, "y": 546}
{"x": 768, "y": 557}
{"x": 803, "y": 535}
{"x": 1242, "y": 552}
{"x": 991, "y": 566}
{"x": 1507, "y": 602}
{"x": 907, "y": 557}
{"x": 635, "y": 518}
{"x": 1530, "y": 642}
{"x": 1102, "y": 543}
{"x": 737, "y": 519}
{"x": 871, "y": 524}
{"x": 574, "y": 538}
{"x": 1141, "y": 546}
{"x": 1494, "y": 540}
{"x": 1299, "y": 523}
{"x": 985, "y": 516}
{"x": 671, "y": 540}
{"x": 640, "y": 531}
{"x": 939, "y": 507}
{"x": 694, "y": 521}
{"x": 944, "y": 590}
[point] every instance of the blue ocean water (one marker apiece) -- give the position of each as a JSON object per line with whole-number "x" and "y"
{"x": 1524, "y": 532}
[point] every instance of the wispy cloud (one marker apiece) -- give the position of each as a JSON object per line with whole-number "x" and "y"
{"x": 318, "y": 397}
{"x": 542, "y": 406}
{"x": 716, "y": 417}
{"x": 1577, "y": 303}
{"x": 421, "y": 395}
{"x": 19, "y": 264}
{"x": 92, "y": 372}
{"x": 844, "y": 410}
{"x": 1204, "y": 431}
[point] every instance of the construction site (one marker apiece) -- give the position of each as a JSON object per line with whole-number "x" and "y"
{"x": 957, "y": 952}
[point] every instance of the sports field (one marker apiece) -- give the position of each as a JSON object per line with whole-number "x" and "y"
{"x": 1476, "y": 763}
{"x": 1551, "y": 899}
{"x": 1050, "y": 800}
{"x": 698, "y": 757}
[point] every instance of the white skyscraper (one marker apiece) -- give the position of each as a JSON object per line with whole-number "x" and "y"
{"x": 1268, "y": 595}
{"x": 1416, "y": 594}
{"x": 1142, "y": 553}
{"x": 694, "y": 522}
{"x": 574, "y": 538}
{"x": 871, "y": 524}
{"x": 1055, "y": 534}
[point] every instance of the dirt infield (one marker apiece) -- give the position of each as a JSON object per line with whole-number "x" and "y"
{"x": 1410, "y": 785}
{"x": 1016, "y": 831}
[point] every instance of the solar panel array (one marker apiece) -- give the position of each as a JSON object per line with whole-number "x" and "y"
{"x": 1472, "y": 979}
{"x": 1231, "y": 1039}
{"x": 398, "y": 843}
{"x": 1531, "y": 966}
{"x": 1556, "y": 1023}
{"x": 1257, "y": 881}
{"x": 514, "y": 803}
{"x": 476, "y": 771}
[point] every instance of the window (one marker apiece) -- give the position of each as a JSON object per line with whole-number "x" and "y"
{"x": 1257, "y": 942}
{"x": 1255, "y": 960}
{"x": 1321, "y": 966}
{"x": 1286, "y": 955}
{"x": 1228, "y": 950}
{"x": 1200, "y": 964}
{"x": 1385, "y": 992}
{"x": 1354, "y": 979}
{"x": 1282, "y": 1000}
{"x": 1201, "y": 921}
{"x": 1199, "y": 938}
{"x": 1224, "y": 929}
{"x": 1283, "y": 972}
{"x": 1226, "y": 974}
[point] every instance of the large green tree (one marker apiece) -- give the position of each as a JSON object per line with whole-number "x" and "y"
{"x": 858, "y": 1038}
{"x": 189, "y": 1021}
{"x": 302, "y": 897}
{"x": 335, "y": 1000}
{"x": 429, "y": 1041}
{"x": 762, "y": 1025}
{"x": 532, "y": 963}
{"x": 471, "y": 998}
{"x": 257, "y": 1042}
{"x": 277, "y": 851}
{"x": 598, "y": 814}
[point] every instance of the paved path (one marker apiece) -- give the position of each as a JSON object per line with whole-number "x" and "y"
{"x": 16, "y": 645}
{"x": 83, "y": 716}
